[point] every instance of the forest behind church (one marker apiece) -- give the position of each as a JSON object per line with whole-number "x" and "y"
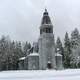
{"x": 11, "y": 51}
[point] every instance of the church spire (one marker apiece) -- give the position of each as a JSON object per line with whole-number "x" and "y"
{"x": 46, "y": 25}
{"x": 46, "y": 18}
{"x": 45, "y": 13}
{"x": 45, "y": 10}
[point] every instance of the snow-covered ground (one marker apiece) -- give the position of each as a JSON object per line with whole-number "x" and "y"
{"x": 70, "y": 74}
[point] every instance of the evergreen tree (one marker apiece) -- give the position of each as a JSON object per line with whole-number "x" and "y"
{"x": 75, "y": 38}
{"x": 67, "y": 51}
{"x": 26, "y": 47}
{"x": 4, "y": 52}
{"x": 75, "y": 44}
{"x": 17, "y": 53}
{"x": 35, "y": 47}
{"x": 60, "y": 47}
{"x": 29, "y": 46}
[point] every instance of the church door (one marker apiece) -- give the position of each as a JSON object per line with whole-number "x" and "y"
{"x": 49, "y": 66}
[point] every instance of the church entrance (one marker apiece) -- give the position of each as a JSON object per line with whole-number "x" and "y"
{"x": 49, "y": 66}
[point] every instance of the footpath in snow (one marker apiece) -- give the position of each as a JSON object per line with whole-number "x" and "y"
{"x": 69, "y": 74}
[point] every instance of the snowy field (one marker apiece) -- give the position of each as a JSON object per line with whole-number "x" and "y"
{"x": 41, "y": 75}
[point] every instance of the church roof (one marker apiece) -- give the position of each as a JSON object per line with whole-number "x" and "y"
{"x": 22, "y": 58}
{"x": 46, "y": 18}
{"x": 57, "y": 54}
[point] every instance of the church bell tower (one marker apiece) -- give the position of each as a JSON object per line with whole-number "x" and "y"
{"x": 46, "y": 25}
{"x": 46, "y": 43}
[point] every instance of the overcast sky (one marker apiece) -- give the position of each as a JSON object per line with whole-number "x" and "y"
{"x": 21, "y": 19}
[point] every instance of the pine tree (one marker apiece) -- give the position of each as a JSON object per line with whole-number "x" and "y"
{"x": 26, "y": 47}
{"x": 60, "y": 47}
{"x": 75, "y": 44}
{"x": 18, "y": 53}
{"x": 75, "y": 38}
{"x": 67, "y": 51}
{"x": 29, "y": 46}
{"x": 4, "y": 52}
{"x": 35, "y": 47}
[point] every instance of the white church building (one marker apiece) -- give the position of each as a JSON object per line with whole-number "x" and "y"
{"x": 46, "y": 58}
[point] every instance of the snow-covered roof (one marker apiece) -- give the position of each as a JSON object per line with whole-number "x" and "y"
{"x": 22, "y": 58}
{"x": 34, "y": 54}
{"x": 49, "y": 61}
{"x": 57, "y": 54}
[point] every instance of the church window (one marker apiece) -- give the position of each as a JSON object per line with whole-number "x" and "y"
{"x": 48, "y": 30}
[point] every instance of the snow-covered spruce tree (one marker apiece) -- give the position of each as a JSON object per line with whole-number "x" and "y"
{"x": 26, "y": 47}
{"x": 75, "y": 38}
{"x": 60, "y": 47}
{"x": 75, "y": 43}
{"x": 67, "y": 51}
{"x": 11, "y": 56}
{"x": 4, "y": 52}
{"x": 29, "y": 47}
{"x": 17, "y": 54}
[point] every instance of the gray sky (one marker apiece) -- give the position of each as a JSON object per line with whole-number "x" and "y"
{"x": 21, "y": 19}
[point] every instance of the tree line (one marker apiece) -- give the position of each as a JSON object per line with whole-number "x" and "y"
{"x": 11, "y": 51}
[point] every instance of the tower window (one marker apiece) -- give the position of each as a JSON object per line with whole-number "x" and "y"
{"x": 48, "y": 30}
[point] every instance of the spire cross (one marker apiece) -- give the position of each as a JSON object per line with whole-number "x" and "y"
{"x": 45, "y": 10}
